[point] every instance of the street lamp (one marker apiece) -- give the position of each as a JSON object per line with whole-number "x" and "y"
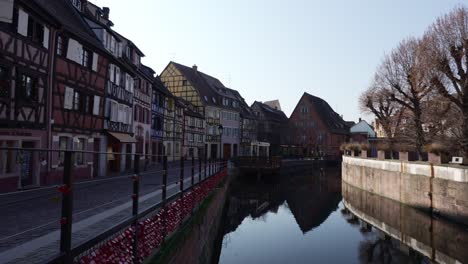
{"x": 220, "y": 130}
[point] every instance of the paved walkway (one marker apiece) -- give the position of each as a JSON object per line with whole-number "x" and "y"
{"x": 29, "y": 226}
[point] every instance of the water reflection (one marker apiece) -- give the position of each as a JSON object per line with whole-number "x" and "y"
{"x": 302, "y": 219}
{"x": 412, "y": 230}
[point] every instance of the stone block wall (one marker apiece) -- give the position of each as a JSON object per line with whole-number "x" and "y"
{"x": 442, "y": 189}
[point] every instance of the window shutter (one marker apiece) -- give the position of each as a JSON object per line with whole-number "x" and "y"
{"x": 22, "y": 22}
{"x": 111, "y": 72}
{"x": 120, "y": 115}
{"x": 68, "y": 98}
{"x": 46, "y": 37}
{"x": 95, "y": 61}
{"x": 97, "y": 100}
{"x": 75, "y": 51}
{"x": 6, "y": 11}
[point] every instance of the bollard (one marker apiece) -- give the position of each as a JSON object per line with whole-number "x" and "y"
{"x": 136, "y": 189}
{"x": 67, "y": 208}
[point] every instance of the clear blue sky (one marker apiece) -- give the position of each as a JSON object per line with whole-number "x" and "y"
{"x": 271, "y": 49}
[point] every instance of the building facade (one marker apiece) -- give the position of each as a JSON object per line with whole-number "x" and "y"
{"x": 173, "y": 128}
{"x": 211, "y": 98}
{"x": 271, "y": 126}
{"x": 158, "y": 107}
{"x": 24, "y": 93}
{"x": 316, "y": 129}
{"x": 194, "y": 132}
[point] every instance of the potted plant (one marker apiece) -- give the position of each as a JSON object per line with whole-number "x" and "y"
{"x": 365, "y": 150}
{"x": 383, "y": 148}
{"x": 355, "y": 149}
{"x": 405, "y": 152}
{"x": 438, "y": 153}
{"x": 344, "y": 148}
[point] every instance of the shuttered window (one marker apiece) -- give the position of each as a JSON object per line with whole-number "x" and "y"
{"x": 97, "y": 100}
{"x": 68, "y": 98}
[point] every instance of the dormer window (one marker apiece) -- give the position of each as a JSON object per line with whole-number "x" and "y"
{"x": 76, "y": 4}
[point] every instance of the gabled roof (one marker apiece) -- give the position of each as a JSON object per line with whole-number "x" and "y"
{"x": 329, "y": 117}
{"x": 210, "y": 88}
{"x": 147, "y": 71}
{"x": 271, "y": 113}
{"x": 71, "y": 20}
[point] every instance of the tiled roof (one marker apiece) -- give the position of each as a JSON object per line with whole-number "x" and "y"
{"x": 71, "y": 20}
{"x": 330, "y": 118}
{"x": 210, "y": 88}
{"x": 272, "y": 114}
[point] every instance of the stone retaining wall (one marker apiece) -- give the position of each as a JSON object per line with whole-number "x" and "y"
{"x": 442, "y": 189}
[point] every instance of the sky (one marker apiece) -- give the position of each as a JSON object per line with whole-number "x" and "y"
{"x": 272, "y": 49}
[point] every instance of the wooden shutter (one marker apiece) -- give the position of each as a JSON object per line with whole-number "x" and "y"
{"x": 95, "y": 61}
{"x": 117, "y": 75}
{"x": 6, "y": 11}
{"x": 46, "y": 37}
{"x": 23, "y": 22}
{"x": 97, "y": 100}
{"x": 68, "y": 98}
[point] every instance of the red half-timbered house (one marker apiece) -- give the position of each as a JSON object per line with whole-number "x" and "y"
{"x": 25, "y": 41}
{"x": 79, "y": 79}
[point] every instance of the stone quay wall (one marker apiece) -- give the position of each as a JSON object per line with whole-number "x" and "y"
{"x": 442, "y": 189}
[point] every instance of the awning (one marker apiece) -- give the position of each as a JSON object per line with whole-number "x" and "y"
{"x": 124, "y": 138}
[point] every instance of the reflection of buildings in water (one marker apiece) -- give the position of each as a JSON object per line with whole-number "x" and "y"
{"x": 311, "y": 198}
{"x": 409, "y": 229}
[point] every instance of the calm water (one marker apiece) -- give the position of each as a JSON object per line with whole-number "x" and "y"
{"x": 313, "y": 218}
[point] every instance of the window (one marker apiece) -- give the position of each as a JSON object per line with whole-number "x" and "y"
{"x": 63, "y": 145}
{"x": 7, "y": 157}
{"x": 35, "y": 30}
{"x": 61, "y": 46}
{"x": 184, "y": 83}
{"x": 76, "y": 101}
{"x": 87, "y": 58}
{"x": 4, "y": 82}
{"x": 168, "y": 149}
{"x": 28, "y": 87}
{"x": 79, "y": 156}
{"x": 190, "y": 152}
{"x": 176, "y": 151}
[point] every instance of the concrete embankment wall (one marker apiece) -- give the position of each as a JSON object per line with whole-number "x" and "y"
{"x": 443, "y": 189}
{"x": 194, "y": 243}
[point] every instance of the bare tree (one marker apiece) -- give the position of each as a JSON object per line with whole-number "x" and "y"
{"x": 401, "y": 75}
{"x": 446, "y": 52}
{"x": 376, "y": 100}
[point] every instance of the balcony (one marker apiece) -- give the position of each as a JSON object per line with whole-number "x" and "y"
{"x": 119, "y": 93}
{"x": 157, "y": 109}
{"x": 156, "y": 133}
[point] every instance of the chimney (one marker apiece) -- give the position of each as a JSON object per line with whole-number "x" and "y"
{"x": 360, "y": 119}
{"x": 105, "y": 13}
{"x": 195, "y": 67}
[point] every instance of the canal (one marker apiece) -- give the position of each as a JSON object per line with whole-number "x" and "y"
{"x": 312, "y": 217}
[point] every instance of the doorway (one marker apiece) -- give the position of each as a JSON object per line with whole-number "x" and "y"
{"x": 27, "y": 164}
{"x": 227, "y": 151}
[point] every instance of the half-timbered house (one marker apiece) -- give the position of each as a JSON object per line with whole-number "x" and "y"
{"x": 25, "y": 44}
{"x": 119, "y": 92}
{"x": 193, "y": 145}
{"x": 173, "y": 128}
{"x": 158, "y": 107}
{"x": 78, "y": 85}
{"x": 211, "y": 98}
{"x": 142, "y": 111}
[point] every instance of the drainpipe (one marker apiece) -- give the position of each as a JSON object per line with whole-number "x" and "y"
{"x": 49, "y": 102}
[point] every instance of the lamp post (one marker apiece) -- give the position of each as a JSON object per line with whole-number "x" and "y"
{"x": 220, "y": 130}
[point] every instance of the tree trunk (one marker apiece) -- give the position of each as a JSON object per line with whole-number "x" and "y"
{"x": 464, "y": 143}
{"x": 420, "y": 141}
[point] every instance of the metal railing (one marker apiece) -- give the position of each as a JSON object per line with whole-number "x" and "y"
{"x": 192, "y": 174}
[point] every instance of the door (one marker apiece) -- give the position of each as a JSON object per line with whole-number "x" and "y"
{"x": 27, "y": 164}
{"x": 227, "y": 151}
